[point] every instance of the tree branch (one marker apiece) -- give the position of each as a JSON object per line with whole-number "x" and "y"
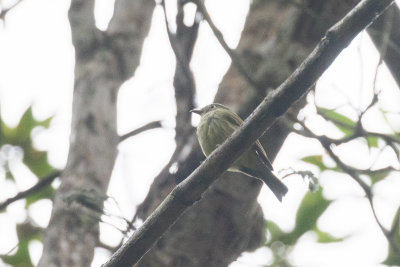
{"x": 354, "y": 174}
{"x": 125, "y": 34}
{"x": 4, "y": 11}
{"x": 389, "y": 48}
{"x": 359, "y": 131}
{"x": 83, "y": 27}
{"x": 182, "y": 44}
{"x": 146, "y": 127}
{"x": 273, "y": 106}
{"x": 43, "y": 182}
{"x": 187, "y": 45}
{"x": 231, "y": 53}
{"x": 368, "y": 194}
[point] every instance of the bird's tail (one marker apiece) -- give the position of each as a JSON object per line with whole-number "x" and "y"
{"x": 277, "y": 187}
{"x": 274, "y": 183}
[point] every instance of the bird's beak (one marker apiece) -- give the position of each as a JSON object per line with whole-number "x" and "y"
{"x": 197, "y": 111}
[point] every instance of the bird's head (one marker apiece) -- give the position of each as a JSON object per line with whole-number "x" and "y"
{"x": 209, "y": 108}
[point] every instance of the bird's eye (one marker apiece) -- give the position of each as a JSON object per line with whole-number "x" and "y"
{"x": 212, "y": 106}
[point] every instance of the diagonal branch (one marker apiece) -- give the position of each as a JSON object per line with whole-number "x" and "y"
{"x": 368, "y": 194}
{"x": 43, "y": 182}
{"x": 4, "y": 11}
{"x": 182, "y": 44}
{"x": 183, "y": 50}
{"x": 243, "y": 70}
{"x": 146, "y": 127}
{"x": 354, "y": 174}
{"x": 386, "y": 36}
{"x": 327, "y": 142}
{"x": 273, "y": 106}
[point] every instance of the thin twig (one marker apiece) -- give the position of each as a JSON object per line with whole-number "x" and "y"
{"x": 243, "y": 70}
{"x": 353, "y": 173}
{"x": 43, "y": 182}
{"x": 4, "y": 11}
{"x": 358, "y": 129}
{"x": 182, "y": 44}
{"x": 146, "y": 127}
{"x": 172, "y": 39}
{"x": 105, "y": 246}
{"x": 396, "y": 223}
{"x": 359, "y": 132}
{"x": 369, "y": 196}
{"x": 383, "y": 49}
{"x": 306, "y": 132}
{"x": 385, "y": 30}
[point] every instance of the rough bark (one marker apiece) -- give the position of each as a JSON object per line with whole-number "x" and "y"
{"x": 276, "y": 38}
{"x": 183, "y": 42}
{"x": 104, "y": 60}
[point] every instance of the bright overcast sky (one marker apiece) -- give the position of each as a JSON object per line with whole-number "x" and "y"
{"x": 36, "y": 63}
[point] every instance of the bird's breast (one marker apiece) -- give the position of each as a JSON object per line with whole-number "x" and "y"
{"x": 212, "y": 131}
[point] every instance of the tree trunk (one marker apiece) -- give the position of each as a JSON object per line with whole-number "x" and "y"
{"x": 104, "y": 60}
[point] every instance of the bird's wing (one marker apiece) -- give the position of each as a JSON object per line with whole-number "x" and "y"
{"x": 233, "y": 118}
{"x": 236, "y": 120}
{"x": 262, "y": 155}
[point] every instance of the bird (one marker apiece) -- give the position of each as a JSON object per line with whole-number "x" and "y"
{"x": 217, "y": 123}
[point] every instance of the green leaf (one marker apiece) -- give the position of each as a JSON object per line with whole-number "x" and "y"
{"x": 378, "y": 175}
{"x": 21, "y": 136}
{"x": 315, "y": 160}
{"x": 9, "y": 175}
{"x": 21, "y": 133}
{"x": 343, "y": 123}
{"x": 372, "y": 141}
{"x": 44, "y": 193}
{"x": 21, "y": 258}
{"x": 37, "y": 161}
{"x": 26, "y": 232}
{"x": 324, "y": 237}
{"x": 311, "y": 208}
{"x": 274, "y": 231}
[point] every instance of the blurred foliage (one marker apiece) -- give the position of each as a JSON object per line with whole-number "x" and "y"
{"x": 379, "y": 175}
{"x": 314, "y": 205}
{"x": 310, "y": 210}
{"x": 343, "y": 123}
{"x": 317, "y": 161}
{"x": 19, "y": 138}
{"x": 26, "y": 233}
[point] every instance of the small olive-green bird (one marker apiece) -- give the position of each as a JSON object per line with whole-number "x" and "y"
{"x": 218, "y": 123}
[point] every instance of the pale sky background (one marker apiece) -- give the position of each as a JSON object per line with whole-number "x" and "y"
{"x": 36, "y": 66}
